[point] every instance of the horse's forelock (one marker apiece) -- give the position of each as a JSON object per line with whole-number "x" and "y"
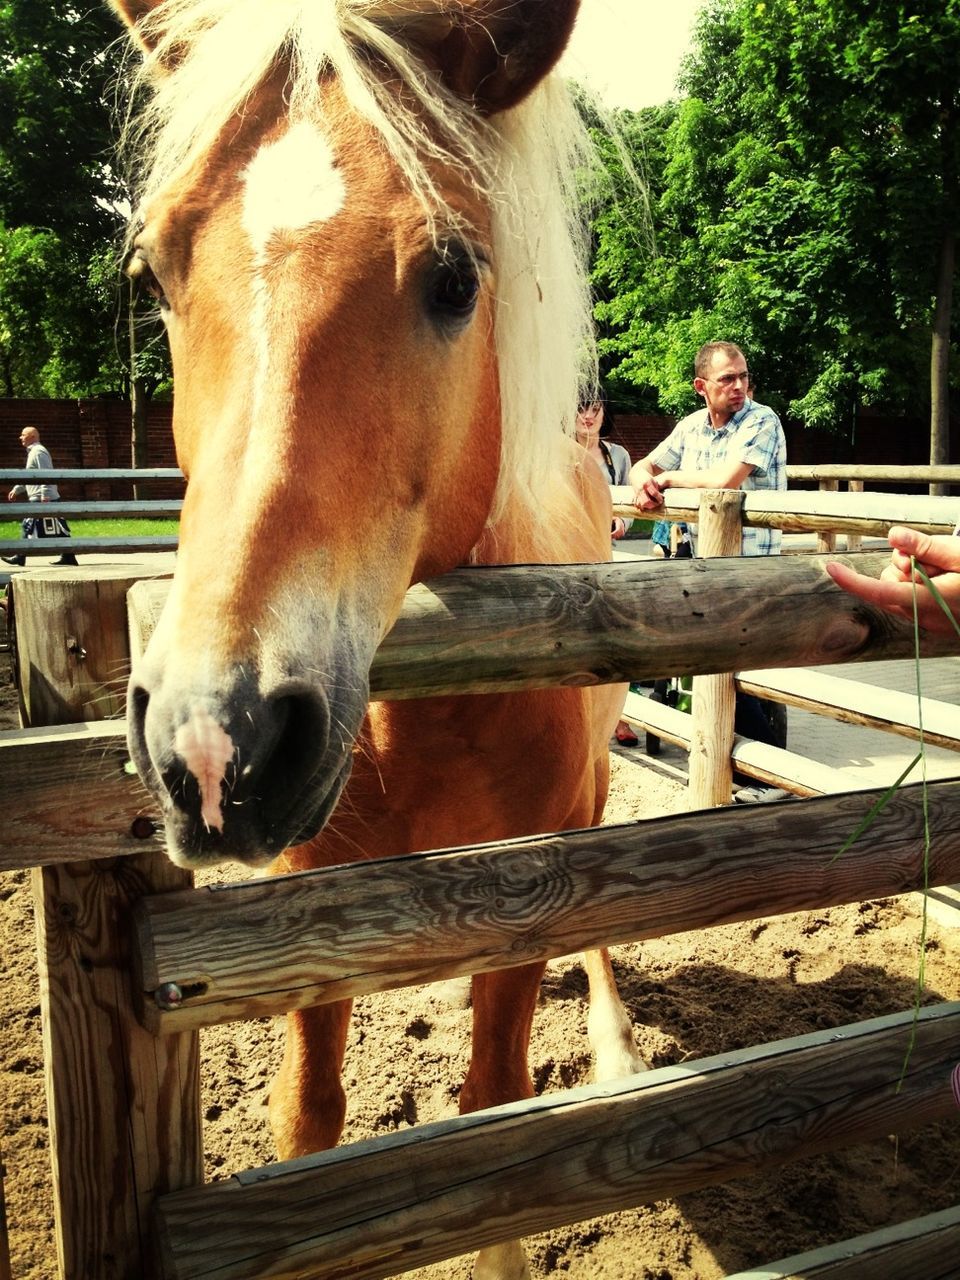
{"x": 210, "y": 56}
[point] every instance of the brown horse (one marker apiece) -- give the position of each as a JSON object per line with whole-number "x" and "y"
{"x": 358, "y": 219}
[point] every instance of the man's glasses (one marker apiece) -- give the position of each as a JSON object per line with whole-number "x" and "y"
{"x": 731, "y": 379}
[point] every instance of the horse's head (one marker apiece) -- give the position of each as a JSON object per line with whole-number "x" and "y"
{"x": 333, "y": 226}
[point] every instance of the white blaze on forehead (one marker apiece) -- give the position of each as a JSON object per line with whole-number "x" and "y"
{"x": 290, "y": 184}
{"x": 206, "y": 750}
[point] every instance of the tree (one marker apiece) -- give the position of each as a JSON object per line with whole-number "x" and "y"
{"x": 805, "y": 208}
{"x": 62, "y": 300}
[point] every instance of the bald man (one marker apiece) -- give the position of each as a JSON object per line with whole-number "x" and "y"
{"x": 38, "y": 459}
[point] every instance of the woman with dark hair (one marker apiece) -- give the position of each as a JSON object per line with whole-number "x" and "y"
{"x": 594, "y": 424}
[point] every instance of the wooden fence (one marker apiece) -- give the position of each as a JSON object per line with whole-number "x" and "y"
{"x": 122, "y": 1055}
{"x": 135, "y": 507}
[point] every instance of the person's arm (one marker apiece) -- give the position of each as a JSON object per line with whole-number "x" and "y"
{"x": 938, "y": 556}
{"x": 726, "y": 475}
{"x": 643, "y": 477}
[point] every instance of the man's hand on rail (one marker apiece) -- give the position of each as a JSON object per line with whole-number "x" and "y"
{"x": 939, "y": 558}
{"x": 648, "y": 494}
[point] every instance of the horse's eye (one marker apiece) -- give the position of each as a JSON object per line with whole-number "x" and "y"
{"x": 454, "y": 287}
{"x": 140, "y": 270}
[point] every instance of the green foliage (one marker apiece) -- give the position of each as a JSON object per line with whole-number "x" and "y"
{"x": 800, "y": 195}
{"x": 63, "y": 325}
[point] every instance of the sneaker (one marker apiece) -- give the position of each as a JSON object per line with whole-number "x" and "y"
{"x": 20, "y": 560}
{"x": 761, "y": 795}
{"x": 71, "y": 560}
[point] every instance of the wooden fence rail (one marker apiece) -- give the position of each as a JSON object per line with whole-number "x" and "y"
{"x": 375, "y": 1209}
{"x": 269, "y": 946}
{"x": 135, "y": 507}
{"x": 124, "y": 1108}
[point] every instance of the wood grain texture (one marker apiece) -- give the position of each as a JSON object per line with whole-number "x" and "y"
{"x": 484, "y": 630}
{"x": 75, "y": 800}
{"x": 264, "y": 947}
{"x": 383, "y": 1207}
{"x": 922, "y": 1249}
{"x": 123, "y": 1105}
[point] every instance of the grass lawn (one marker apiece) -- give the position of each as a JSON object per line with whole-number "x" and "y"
{"x": 104, "y": 528}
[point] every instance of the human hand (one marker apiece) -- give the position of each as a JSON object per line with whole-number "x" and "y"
{"x": 11, "y": 496}
{"x": 648, "y": 496}
{"x": 618, "y": 528}
{"x": 939, "y": 558}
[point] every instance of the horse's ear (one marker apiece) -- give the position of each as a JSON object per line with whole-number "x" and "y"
{"x": 132, "y": 12}
{"x": 493, "y": 52}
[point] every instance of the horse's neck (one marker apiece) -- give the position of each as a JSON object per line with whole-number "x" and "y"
{"x": 571, "y": 525}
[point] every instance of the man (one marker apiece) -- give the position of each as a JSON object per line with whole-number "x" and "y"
{"x": 38, "y": 459}
{"x": 731, "y": 443}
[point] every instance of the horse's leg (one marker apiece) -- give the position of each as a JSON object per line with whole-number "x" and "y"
{"x": 307, "y": 1102}
{"x": 503, "y": 1008}
{"x": 609, "y": 1028}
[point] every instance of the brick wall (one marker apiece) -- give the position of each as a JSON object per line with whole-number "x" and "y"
{"x": 88, "y": 433}
{"x": 96, "y": 433}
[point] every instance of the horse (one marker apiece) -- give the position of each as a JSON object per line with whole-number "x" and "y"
{"x": 359, "y": 221}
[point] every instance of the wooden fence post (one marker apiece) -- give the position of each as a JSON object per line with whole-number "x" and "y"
{"x": 827, "y": 540}
{"x": 719, "y": 533}
{"x": 854, "y": 540}
{"x": 123, "y": 1104}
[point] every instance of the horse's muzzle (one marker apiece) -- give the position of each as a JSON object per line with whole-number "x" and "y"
{"x": 240, "y": 775}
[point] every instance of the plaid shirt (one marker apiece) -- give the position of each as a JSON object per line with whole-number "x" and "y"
{"x": 753, "y": 436}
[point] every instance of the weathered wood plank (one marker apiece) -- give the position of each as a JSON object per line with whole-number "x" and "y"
{"x": 248, "y": 949}
{"x": 924, "y": 1248}
{"x": 484, "y": 630}
{"x": 123, "y": 1105}
{"x": 799, "y": 511}
{"x": 879, "y": 473}
{"x": 75, "y": 798}
{"x": 714, "y": 696}
{"x": 146, "y": 508}
{"x": 856, "y": 703}
{"x": 37, "y": 547}
{"x": 380, "y": 1208}
{"x": 20, "y": 475}
{"x": 780, "y": 768}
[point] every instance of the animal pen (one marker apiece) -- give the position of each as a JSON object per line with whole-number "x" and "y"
{"x": 133, "y": 960}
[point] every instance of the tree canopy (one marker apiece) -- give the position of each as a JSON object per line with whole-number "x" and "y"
{"x": 62, "y": 323}
{"x": 803, "y": 199}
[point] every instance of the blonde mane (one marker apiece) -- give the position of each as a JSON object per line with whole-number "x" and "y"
{"x": 527, "y": 163}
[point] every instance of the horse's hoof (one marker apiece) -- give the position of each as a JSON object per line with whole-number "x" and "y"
{"x": 502, "y": 1262}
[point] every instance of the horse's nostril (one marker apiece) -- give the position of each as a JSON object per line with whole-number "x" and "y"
{"x": 138, "y": 699}
{"x": 301, "y": 730}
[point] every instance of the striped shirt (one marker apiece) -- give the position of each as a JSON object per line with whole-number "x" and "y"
{"x": 753, "y": 436}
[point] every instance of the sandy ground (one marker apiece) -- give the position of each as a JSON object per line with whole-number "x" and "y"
{"x": 689, "y": 996}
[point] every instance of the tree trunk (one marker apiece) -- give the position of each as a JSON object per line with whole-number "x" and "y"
{"x": 943, "y": 310}
{"x": 940, "y": 358}
{"x": 138, "y": 395}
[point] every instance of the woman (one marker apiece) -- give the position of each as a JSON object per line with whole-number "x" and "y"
{"x": 594, "y": 422}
